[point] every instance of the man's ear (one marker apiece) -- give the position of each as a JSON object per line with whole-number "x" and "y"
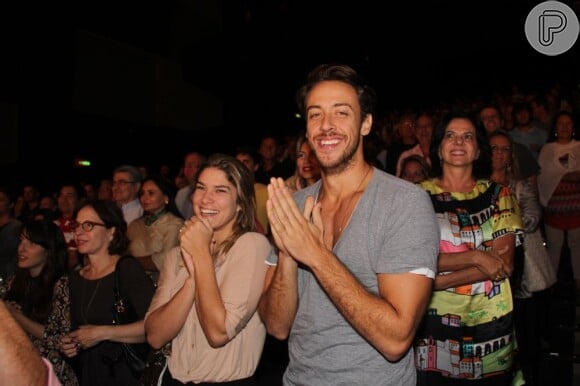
{"x": 367, "y": 125}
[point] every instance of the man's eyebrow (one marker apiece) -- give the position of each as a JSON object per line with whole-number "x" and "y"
{"x": 338, "y": 104}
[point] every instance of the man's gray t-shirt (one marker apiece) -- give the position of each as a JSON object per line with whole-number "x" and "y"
{"x": 392, "y": 230}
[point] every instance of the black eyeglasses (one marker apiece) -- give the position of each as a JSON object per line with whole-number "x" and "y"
{"x": 86, "y": 225}
{"x": 122, "y": 182}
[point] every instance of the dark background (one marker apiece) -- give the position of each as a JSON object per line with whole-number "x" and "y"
{"x": 144, "y": 82}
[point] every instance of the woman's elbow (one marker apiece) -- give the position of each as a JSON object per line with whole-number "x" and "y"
{"x": 154, "y": 343}
{"x": 154, "y": 340}
{"x": 217, "y": 340}
{"x": 509, "y": 266}
{"x": 153, "y": 336}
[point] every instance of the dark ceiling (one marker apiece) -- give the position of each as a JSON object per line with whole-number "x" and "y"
{"x": 259, "y": 50}
{"x": 253, "y": 54}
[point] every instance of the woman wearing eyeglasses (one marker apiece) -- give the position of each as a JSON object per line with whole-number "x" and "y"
{"x": 100, "y": 236}
{"x": 467, "y": 333}
{"x": 209, "y": 288}
{"x": 38, "y": 293}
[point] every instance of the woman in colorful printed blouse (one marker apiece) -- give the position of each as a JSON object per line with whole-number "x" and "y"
{"x": 467, "y": 332}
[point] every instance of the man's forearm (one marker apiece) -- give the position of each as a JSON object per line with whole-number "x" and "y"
{"x": 388, "y": 320}
{"x": 20, "y": 362}
{"x": 279, "y": 303}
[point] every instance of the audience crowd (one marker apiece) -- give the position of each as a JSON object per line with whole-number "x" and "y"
{"x": 199, "y": 240}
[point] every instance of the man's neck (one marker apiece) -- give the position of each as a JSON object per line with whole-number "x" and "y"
{"x": 268, "y": 164}
{"x": 121, "y": 204}
{"x": 340, "y": 185}
{"x": 525, "y": 127}
{"x": 425, "y": 146}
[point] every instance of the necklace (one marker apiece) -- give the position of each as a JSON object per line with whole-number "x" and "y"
{"x": 85, "y": 310}
{"x": 348, "y": 212}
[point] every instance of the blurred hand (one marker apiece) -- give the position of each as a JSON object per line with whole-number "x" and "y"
{"x": 68, "y": 346}
{"x": 87, "y": 336}
{"x": 493, "y": 266}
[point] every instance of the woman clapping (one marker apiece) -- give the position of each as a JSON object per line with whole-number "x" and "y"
{"x": 209, "y": 287}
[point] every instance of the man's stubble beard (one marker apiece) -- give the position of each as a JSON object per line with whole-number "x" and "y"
{"x": 343, "y": 162}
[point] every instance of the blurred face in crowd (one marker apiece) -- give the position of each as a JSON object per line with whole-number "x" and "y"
{"x": 105, "y": 191}
{"x": 564, "y": 129}
{"x": 191, "y": 165}
{"x": 67, "y": 200}
{"x": 500, "y": 152}
{"x": 523, "y": 117}
{"x": 47, "y": 202}
{"x": 491, "y": 119}
{"x": 152, "y": 198}
{"x": 247, "y": 160}
{"x": 406, "y": 129}
{"x": 90, "y": 191}
{"x": 306, "y": 163}
{"x": 124, "y": 188}
{"x": 268, "y": 148}
{"x": 5, "y": 205}
{"x": 424, "y": 129}
{"x": 29, "y": 193}
{"x": 413, "y": 172}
